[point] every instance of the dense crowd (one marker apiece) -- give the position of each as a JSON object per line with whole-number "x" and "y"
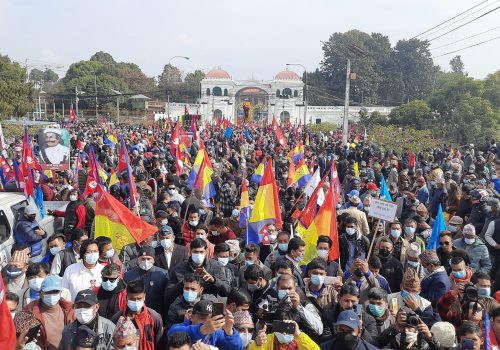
{"x": 199, "y": 284}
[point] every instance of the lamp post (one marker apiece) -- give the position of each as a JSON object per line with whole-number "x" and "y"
{"x": 305, "y": 90}
{"x": 117, "y": 104}
{"x": 168, "y": 94}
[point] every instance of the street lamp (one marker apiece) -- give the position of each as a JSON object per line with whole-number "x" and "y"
{"x": 305, "y": 90}
{"x": 168, "y": 94}
{"x": 117, "y": 104}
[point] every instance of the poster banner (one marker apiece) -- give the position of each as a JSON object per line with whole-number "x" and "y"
{"x": 54, "y": 148}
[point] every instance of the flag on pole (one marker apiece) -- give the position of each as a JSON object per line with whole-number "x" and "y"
{"x": 204, "y": 179}
{"x": 384, "y": 192}
{"x": 93, "y": 179}
{"x": 291, "y": 174}
{"x": 174, "y": 140}
{"x": 266, "y": 207}
{"x": 7, "y": 328}
{"x": 245, "y": 211}
{"x": 437, "y": 228}
{"x": 259, "y": 172}
{"x": 312, "y": 183}
{"x": 302, "y": 174}
{"x": 306, "y": 216}
{"x": 194, "y": 127}
{"x": 114, "y": 220}
{"x": 280, "y": 138}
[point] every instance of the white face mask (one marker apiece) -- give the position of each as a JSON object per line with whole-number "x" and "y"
{"x": 350, "y": 231}
{"x": 245, "y": 338}
{"x": 223, "y": 261}
{"x": 91, "y": 258}
{"x": 84, "y": 316}
{"x": 145, "y": 264}
{"x": 35, "y": 283}
{"x": 193, "y": 222}
{"x": 215, "y": 233}
{"x": 469, "y": 241}
{"x": 322, "y": 253}
{"x": 73, "y": 198}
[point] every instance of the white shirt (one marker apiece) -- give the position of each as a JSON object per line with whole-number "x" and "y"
{"x": 168, "y": 256}
{"x": 77, "y": 278}
{"x": 55, "y": 155}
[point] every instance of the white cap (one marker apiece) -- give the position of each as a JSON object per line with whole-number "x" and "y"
{"x": 30, "y": 210}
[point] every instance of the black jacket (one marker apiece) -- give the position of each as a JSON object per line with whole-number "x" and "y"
{"x": 362, "y": 245}
{"x": 392, "y": 270}
{"x": 178, "y": 255}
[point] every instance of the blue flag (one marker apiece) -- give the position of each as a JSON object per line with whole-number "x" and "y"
{"x": 437, "y": 228}
{"x": 384, "y": 192}
{"x": 228, "y": 133}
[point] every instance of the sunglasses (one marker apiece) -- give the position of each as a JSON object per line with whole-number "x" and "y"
{"x": 110, "y": 279}
{"x": 445, "y": 243}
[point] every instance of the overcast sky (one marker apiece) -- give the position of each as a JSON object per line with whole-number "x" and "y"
{"x": 248, "y": 38}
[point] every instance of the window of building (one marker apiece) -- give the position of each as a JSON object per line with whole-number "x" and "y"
{"x": 318, "y": 120}
{"x": 208, "y": 92}
{"x": 295, "y": 93}
{"x": 217, "y": 91}
{"x": 287, "y": 92}
{"x": 278, "y": 92}
{"x": 225, "y": 92}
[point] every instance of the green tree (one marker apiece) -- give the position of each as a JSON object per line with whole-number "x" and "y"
{"x": 170, "y": 75}
{"x": 50, "y": 76}
{"x": 456, "y": 65}
{"x": 368, "y": 120}
{"x": 492, "y": 89}
{"x": 37, "y": 76}
{"x": 15, "y": 93}
{"x": 194, "y": 78}
{"x": 416, "y": 113}
{"x": 102, "y": 57}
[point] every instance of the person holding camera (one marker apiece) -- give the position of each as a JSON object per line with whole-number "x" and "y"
{"x": 282, "y": 338}
{"x": 408, "y": 332}
{"x": 361, "y": 276}
{"x": 470, "y": 337}
{"x": 348, "y": 334}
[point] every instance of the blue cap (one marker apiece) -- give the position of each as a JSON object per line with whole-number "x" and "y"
{"x": 166, "y": 230}
{"x": 348, "y": 318}
{"x": 353, "y": 193}
{"x": 51, "y": 282}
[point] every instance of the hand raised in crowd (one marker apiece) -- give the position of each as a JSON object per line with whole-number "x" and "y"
{"x": 411, "y": 301}
{"x": 206, "y": 276}
{"x": 294, "y": 298}
{"x": 200, "y": 346}
{"x": 261, "y": 337}
{"x": 296, "y": 334}
{"x": 401, "y": 321}
{"x": 424, "y": 330}
{"x": 229, "y": 323}
{"x": 213, "y": 324}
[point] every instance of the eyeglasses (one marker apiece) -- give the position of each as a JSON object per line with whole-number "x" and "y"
{"x": 110, "y": 279}
{"x": 445, "y": 243}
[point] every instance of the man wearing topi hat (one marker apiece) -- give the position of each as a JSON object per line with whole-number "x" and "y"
{"x": 436, "y": 281}
{"x": 52, "y": 150}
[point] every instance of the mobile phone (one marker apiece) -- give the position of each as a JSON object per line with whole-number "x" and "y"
{"x": 329, "y": 280}
{"x": 218, "y": 309}
{"x": 33, "y": 333}
{"x": 283, "y": 327}
{"x": 405, "y": 294}
{"x": 467, "y": 344}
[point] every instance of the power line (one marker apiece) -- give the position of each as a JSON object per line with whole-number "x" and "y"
{"x": 472, "y": 36}
{"x": 440, "y": 24}
{"x": 462, "y": 25}
{"x": 458, "y": 20}
{"x": 467, "y": 47}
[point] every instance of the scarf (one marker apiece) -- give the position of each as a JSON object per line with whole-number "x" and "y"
{"x": 278, "y": 346}
{"x": 145, "y": 325}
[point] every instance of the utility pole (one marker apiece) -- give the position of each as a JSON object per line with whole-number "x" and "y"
{"x": 76, "y": 99}
{"x": 345, "y": 124}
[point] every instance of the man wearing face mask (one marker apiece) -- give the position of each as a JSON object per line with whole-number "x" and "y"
{"x": 112, "y": 295}
{"x": 391, "y": 269}
{"x": 258, "y": 288}
{"x": 27, "y": 231}
{"x": 168, "y": 254}
{"x": 147, "y": 321}
{"x": 53, "y": 312}
{"x": 155, "y": 278}
{"x": 191, "y": 294}
{"x": 107, "y": 255}
{"x": 352, "y": 244}
{"x": 436, "y": 281}
{"x": 219, "y": 232}
{"x": 321, "y": 295}
{"x": 75, "y": 213}
{"x": 201, "y": 231}
{"x": 86, "y": 306}
{"x": 252, "y": 258}
{"x": 55, "y": 244}
{"x": 35, "y": 274}
{"x": 359, "y": 215}
{"x": 475, "y": 247}
{"x": 323, "y": 246}
{"x": 216, "y": 279}
{"x": 69, "y": 255}
{"x": 85, "y": 274}
{"x": 222, "y": 253}
{"x": 482, "y": 282}
{"x": 15, "y": 271}
{"x": 378, "y": 308}
{"x": 295, "y": 254}
{"x": 400, "y": 244}
{"x": 189, "y": 227}
{"x": 410, "y": 227}
{"x": 348, "y": 331}
{"x": 280, "y": 248}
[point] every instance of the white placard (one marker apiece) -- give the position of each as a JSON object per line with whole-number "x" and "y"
{"x": 383, "y": 210}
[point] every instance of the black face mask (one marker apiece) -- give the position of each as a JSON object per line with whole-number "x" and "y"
{"x": 346, "y": 341}
{"x": 384, "y": 253}
{"x": 30, "y": 217}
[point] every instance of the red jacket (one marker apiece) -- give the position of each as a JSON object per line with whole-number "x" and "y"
{"x": 448, "y": 312}
{"x": 69, "y": 316}
{"x": 188, "y": 234}
{"x": 80, "y": 213}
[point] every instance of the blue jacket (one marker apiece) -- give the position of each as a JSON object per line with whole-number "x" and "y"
{"x": 218, "y": 339}
{"x": 480, "y": 258}
{"x": 155, "y": 281}
{"x": 423, "y": 194}
{"x": 24, "y": 233}
{"x": 435, "y": 286}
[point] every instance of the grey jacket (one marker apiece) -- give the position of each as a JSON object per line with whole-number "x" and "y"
{"x": 105, "y": 329}
{"x": 480, "y": 257}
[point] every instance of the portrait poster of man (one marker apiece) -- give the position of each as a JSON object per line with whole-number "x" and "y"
{"x": 54, "y": 148}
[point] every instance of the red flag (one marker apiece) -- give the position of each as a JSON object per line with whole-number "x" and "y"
{"x": 334, "y": 234}
{"x": 194, "y": 127}
{"x": 307, "y": 214}
{"x": 28, "y": 165}
{"x": 280, "y": 138}
{"x": 7, "y": 329}
{"x": 291, "y": 174}
{"x": 179, "y": 165}
{"x": 122, "y": 161}
{"x": 93, "y": 177}
{"x": 174, "y": 139}
{"x": 71, "y": 114}
{"x": 185, "y": 141}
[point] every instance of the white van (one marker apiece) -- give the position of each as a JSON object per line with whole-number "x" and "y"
{"x": 11, "y": 205}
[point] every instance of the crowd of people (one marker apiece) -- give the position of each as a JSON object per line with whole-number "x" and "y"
{"x": 198, "y": 284}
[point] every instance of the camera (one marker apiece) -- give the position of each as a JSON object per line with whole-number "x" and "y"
{"x": 470, "y": 292}
{"x": 412, "y": 319}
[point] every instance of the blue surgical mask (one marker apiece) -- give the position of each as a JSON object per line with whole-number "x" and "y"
{"x": 284, "y": 338}
{"x": 198, "y": 258}
{"x": 135, "y": 306}
{"x": 51, "y": 299}
{"x": 483, "y": 292}
{"x": 282, "y": 294}
{"x": 395, "y": 233}
{"x": 413, "y": 263}
{"x": 376, "y": 310}
{"x": 249, "y": 262}
{"x": 35, "y": 283}
{"x": 298, "y": 259}
{"x": 166, "y": 243}
{"x": 317, "y": 280}
{"x": 109, "y": 286}
{"x": 350, "y": 231}
{"x": 14, "y": 271}
{"x": 459, "y": 274}
{"x": 190, "y": 296}
{"x": 223, "y": 261}
{"x": 91, "y": 258}
{"x": 55, "y": 250}
{"x": 409, "y": 230}
{"x": 154, "y": 244}
{"x": 252, "y": 287}
{"x": 452, "y": 228}
{"x": 109, "y": 254}
{"x": 283, "y": 247}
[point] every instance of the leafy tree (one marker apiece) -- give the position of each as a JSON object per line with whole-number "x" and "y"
{"x": 416, "y": 113}
{"x": 368, "y": 120}
{"x": 396, "y": 138}
{"x": 318, "y": 93}
{"x": 102, "y": 57}
{"x": 37, "y": 76}
{"x": 194, "y": 79}
{"x": 492, "y": 89}
{"x": 15, "y": 93}
{"x": 170, "y": 75}
{"x": 456, "y": 65}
